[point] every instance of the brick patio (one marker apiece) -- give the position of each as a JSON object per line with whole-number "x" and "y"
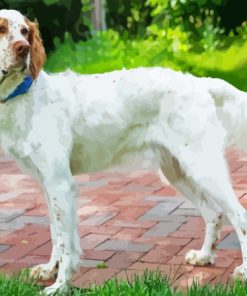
{"x": 131, "y": 222}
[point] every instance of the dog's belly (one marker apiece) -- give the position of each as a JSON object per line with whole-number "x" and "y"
{"x": 93, "y": 153}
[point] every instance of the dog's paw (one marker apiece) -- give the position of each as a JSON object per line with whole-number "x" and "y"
{"x": 56, "y": 288}
{"x": 240, "y": 273}
{"x": 44, "y": 271}
{"x": 199, "y": 257}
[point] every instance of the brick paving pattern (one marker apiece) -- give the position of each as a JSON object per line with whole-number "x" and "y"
{"x": 129, "y": 221}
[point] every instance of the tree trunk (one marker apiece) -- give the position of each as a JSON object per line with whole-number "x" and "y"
{"x": 98, "y": 15}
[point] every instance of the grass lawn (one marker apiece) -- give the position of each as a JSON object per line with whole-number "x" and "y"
{"x": 150, "y": 284}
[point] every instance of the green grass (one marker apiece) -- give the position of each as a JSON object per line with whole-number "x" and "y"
{"x": 149, "y": 284}
{"x": 19, "y": 285}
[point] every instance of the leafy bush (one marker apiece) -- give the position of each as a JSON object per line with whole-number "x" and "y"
{"x": 107, "y": 51}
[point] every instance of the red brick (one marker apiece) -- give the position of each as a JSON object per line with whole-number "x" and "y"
{"x": 224, "y": 278}
{"x": 124, "y": 194}
{"x": 30, "y": 233}
{"x": 87, "y": 210}
{"x": 169, "y": 191}
{"x": 12, "y": 268}
{"x": 44, "y": 250}
{"x": 135, "y": 199}
{"x": 31, "y": 260}
{"x": 137, "y": 174}
{"x": 105, "y": 199}
{"x": 200, "y": 274}
{"x": 194, "y": 244}
{"x": 91, "y": 241}
{"x": 131, "y": 213}
{"x": 224, "y": 262}
{"x": 79, "y": 273}
{"x": 118, "y": 185}
{"x": 187, "y": 234}
{"x": 82, "y": 178}
{"x": 99, "y": 218}
{"x": 40, "y": 210}
{"x": 176, "y": 260}
{"x": 133, "y": 224}
{"x": 163, "y": 241}
{"x": 193, "y": 224}
{"x": 102, "y": 229}
{"x": 128, "y": 233}
{"x": 123, "y": 259}
{"x": 95, "y": 276}
{"x": 147, "y": 179}
{"x": 235, "y": 254}
{"x": 98, "y": 255}
{"x": 168, "y": 269}
{"x": 87, "y": 190}
{"x": 161, "y": 254}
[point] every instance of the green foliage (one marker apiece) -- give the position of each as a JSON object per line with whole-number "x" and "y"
{"x": 49, "y": 2}
{"x": 128, "y": 16}
{"x": 20, "y": 285}
{"x": 196, "y": 24}
{"x": 173, "y": 39}
{"x": 101, "y": 265}
{"x": 107, "y": 51}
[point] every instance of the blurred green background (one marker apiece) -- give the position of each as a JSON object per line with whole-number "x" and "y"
{"x": 204, "y": 37}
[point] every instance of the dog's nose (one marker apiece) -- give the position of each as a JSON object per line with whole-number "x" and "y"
{"x": 4, "y": 72}
{"x": 21, "y": 49}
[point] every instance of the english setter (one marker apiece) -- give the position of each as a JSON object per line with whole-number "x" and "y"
{"x": 57, "y": 125}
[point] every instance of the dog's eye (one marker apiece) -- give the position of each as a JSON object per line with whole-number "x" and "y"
{"x": 24, "y": 31}
{"x": 3, "y": 29}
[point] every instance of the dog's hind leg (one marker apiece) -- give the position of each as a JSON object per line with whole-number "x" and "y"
{"x": 207, "y": 254}
{"x": 208, "y": 173}
{"x": 171, "y": 168}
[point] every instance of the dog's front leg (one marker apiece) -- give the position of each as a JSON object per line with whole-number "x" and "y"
{"x": 48, "y": 270}
{"x": 61, "y": 194}
{"x": 67, "y": 249}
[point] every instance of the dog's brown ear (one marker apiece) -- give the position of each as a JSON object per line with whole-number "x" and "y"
{"x": 37, "y": 51}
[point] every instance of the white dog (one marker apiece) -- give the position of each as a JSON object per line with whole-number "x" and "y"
{"x": 58, "y": 125}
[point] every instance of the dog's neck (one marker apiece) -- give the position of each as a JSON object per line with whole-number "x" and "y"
{"x": 9, "y": 84}
{"x": 21, "y": 89}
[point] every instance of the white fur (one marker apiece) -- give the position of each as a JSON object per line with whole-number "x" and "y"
{"x": 69, "y": 123}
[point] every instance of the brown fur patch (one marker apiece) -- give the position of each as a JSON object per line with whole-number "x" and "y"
{"x": 171, "y": 166}
{"x": 37, "y": 51}
{"x": 243, "y": 231}
{"x": 213, "y": 248}
{"x": 4, "y": 26}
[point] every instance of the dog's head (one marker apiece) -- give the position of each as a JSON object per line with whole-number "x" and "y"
{"x": 21, "y": 48}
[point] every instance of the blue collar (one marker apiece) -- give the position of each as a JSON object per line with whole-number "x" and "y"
{"x": 21, "y": 89}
